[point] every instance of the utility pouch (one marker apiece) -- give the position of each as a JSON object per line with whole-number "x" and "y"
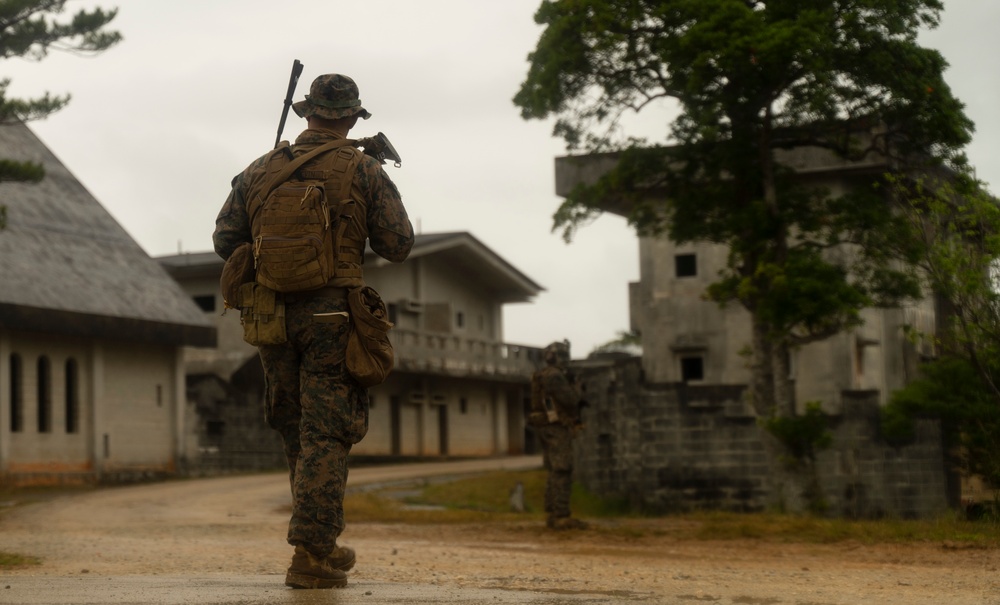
{"x": 262, "y": 313}
{"x": 238, "y": 270}
{"x": 370, "y": 357}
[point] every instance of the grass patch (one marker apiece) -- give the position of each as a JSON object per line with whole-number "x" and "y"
{"x": 485, "y": 498}
{"x": 8, "y": 560}
{"x": 463, "y": 500}
{"x": 816, "y": 530}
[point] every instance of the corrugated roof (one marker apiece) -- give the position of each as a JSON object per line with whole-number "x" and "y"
{"x": 67, "y": 266}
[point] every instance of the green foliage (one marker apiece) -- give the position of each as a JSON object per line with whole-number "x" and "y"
{"x": 624, "y": 340}
{"x": 24, "y": 172}
{"x": 952, "y": 390}
{"x": 803, "y": 436}
{"x": 955, "y": 231}
{"x": 753, "y": 82}
{"x": 30, "y": 29}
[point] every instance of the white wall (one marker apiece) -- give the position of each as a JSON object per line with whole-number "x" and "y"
{"x": 127, "y": 406}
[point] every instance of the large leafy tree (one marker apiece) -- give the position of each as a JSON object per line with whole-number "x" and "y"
{"x": 752, "y": 80}
{"x": 31, "y": 29}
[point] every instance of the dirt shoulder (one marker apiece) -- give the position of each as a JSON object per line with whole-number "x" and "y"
{"x": 236, "y": 525}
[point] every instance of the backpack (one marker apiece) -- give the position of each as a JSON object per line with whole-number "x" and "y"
{"x": 298, "y": 217}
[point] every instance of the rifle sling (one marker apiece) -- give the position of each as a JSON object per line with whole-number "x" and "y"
{"x": 294, "y": 165}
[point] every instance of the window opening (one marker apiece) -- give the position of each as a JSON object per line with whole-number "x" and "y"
{"x": 16, "y": 395}
{"x": 72, "y": 396}
{"x": 44, "y": 395}
{"x": 686, "y": 265}
{"x": 205, "y": 303}
{"x": 692, "y": 368}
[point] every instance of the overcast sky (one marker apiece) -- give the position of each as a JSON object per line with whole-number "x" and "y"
{"x": 159, "y": 124}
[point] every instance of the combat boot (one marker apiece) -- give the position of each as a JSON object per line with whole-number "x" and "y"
{"x": 310, "y": 571}
{"x": 341, "y": 558}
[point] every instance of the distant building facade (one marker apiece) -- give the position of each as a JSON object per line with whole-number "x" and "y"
{"x": 92, "y": 333}
{"x": 673, "y": 430}
{"x": 457, "y": 390}
{"x": 687, "y": 339}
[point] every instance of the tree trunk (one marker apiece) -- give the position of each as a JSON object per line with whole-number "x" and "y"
{"x": 784, "y": 390}
{"x": 761, "y": 372}
{"x": 772, "y": 397}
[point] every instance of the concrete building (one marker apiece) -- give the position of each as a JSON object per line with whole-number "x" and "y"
{"x": 457, "y": 388}
{"x": 91, "y": 336}
{"x": 687, "y": 339}
{"x": 673, "y": 430}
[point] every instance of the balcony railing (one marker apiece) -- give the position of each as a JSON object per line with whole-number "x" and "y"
{"x": 455, "y": 355}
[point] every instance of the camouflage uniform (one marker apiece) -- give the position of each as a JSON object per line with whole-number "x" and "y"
{"x": 552, "y": 386}
{"x": 310, "y": 399}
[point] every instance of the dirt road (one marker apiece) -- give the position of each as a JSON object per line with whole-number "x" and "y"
{"x": 236, "y": 525}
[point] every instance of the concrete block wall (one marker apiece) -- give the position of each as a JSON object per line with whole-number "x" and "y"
{"x": 227, "y": 431}
{"x": 665, "y": 447}
{"x": 865, "y": 477}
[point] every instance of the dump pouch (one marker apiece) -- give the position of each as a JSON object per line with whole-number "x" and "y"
{"x": 370, "y": 356}
{"x": 262, "y": 313}
{"x": 238, "y": 270}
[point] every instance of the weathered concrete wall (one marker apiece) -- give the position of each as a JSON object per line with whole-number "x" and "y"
{"x": 226, "y": 426}
{"x": 863, "y": 476}
{"x": 681, "y": 447}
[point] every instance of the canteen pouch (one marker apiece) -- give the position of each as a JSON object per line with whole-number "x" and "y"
{"x": 370, "y": 357}
{"x": 262, "y": 313}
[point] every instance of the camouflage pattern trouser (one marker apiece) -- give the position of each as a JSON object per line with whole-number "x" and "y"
{"x": 320, "y": 412}
{"x": 557, "y": 446}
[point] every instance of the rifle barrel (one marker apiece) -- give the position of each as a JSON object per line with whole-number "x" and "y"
{"x": 293, "y": 80}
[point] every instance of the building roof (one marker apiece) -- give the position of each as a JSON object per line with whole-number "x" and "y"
{"x": 67, "y": 267}
{"x": 465, "y": 255}
{"x": 807, "y": 162}
{"x": 459, "y": 251}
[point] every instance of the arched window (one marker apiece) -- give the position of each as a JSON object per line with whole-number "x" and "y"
{"x": 72, "y": 396}
{"x": 16, "y": 394}
{"x": 44, "y": 395}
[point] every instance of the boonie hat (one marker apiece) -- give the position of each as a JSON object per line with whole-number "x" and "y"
{"x": 331, "y": 96}
{"x": 556, "y": 351}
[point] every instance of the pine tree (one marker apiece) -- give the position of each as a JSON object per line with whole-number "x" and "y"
{"x": 31, "y": 29}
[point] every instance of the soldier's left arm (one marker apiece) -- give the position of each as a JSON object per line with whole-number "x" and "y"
{"x": 390, "y": 232}
{"x": 232, "y": 225}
